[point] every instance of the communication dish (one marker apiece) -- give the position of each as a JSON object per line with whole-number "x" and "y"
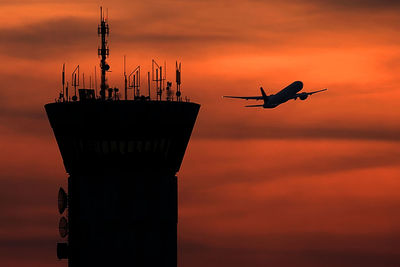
{"x": 62, "y": 200}
{"x": 63, "y": 227}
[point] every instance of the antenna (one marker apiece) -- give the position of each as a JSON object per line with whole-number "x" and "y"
{"x": 158, "y": 79}
{"x": 95, "y": 82}
{"x": 125, "y": 80}
{"x": 135, "y": 82}
{"x": 161, "y": 88}
{"x": 170, "y": 96}
{"x": 164, "y": 76}
{"x": 148, "y": 83}
{"x": 75, "y": 82}
{"x": 63, "y": 82}
{"x": 66, "y": 91}
{"x": 103, "y": 52}
{"x": 178, "y": 81}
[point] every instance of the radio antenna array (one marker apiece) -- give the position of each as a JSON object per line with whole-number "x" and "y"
{"x": 131, "y": 81}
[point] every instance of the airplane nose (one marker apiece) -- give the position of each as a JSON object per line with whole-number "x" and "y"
{"x": 299, "y": 84}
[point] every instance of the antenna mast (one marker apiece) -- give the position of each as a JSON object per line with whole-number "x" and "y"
{"x": 103, "y": 52}
{"x": 134, "y": 82}
{"x": 95, "y": 82}
{"x": 178, "y": 81}
{"x": 75, "y": 82}
{"x": 63, "y": 83}
{"x": 125, "y": 80}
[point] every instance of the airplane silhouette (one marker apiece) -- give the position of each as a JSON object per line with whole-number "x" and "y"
{"x": 287, "y": 93}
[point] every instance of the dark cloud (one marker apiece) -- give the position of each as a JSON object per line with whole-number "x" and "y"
{"x": 311, "y": 249}
{"x": 49, "y": 38}
{"x": 28, "y": 220}
{"x": 31, "y": 121}
{"x": 66, "y": 36}
{"x": 178, "y": 29}
{"x": 360, "y": 4}
{"x": 39, "y": 251}
{"x": 13, "y": 113}
{"x": 277, "y": 130}
{"x": 28, "y": 192}
{"x": 160, "y": 38}
{"x": 271, "y": 162}
{"x": 22, "y": 103}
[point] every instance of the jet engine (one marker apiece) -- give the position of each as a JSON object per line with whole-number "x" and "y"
{"x": 303, "y": 96}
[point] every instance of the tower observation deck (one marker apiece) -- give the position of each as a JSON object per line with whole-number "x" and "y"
{"x": 122, "y": 157}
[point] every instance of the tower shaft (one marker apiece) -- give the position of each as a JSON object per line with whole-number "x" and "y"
{"x": 122, "y": 220}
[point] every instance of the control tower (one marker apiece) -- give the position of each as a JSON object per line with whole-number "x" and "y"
{"x": 122, "y": 156}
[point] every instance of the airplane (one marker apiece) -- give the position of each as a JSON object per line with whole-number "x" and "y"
{"x": 287, "y": 93}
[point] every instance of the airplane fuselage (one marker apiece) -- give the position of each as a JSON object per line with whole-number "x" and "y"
{"x": 284, "y": 95}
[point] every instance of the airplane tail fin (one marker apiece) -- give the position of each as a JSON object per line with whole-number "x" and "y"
{"x": 265, "y": 97}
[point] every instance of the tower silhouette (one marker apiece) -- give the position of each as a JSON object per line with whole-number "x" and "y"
{"x": 122, "y": 157}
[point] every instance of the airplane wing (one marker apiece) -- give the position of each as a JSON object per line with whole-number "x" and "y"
{"x": 304, "y": 95}
{"x": 252, "y": 106}
{"x": 310, "y": 93}
{"x": 245, "y": 97}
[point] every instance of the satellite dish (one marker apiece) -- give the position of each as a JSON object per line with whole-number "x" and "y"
{"x": 62, "y": 200}
{"x": 63, "y": 227}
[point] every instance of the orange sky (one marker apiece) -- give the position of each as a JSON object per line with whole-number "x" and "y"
{"x": 310, "y": 183}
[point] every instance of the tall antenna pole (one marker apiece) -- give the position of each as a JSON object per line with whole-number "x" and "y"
{"x": 95, "y": 82}
{"x": 161, "y": 83}
{"x": 178, "y": 81}
{"x": 148, "y": 83}
{"x": 125, "y": 80}
{"x": 66, "y": 93}
{"x": 165, "y": 74}
{"x": 63, "y": 82}
{"x": 103, "y": 52}
{"x": 75, "y": 81}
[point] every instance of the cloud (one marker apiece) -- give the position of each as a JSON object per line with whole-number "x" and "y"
{"x": 28, "y": 219}
{"x": 210, "y": 129}
{"x": 283, "y": 169}
{"x": 72, "y": 35}
{"x": 24, "y": 121}
{"x": 195, "y": 28}
{"x": 360, "y": 4}
{"x": 49, "y": 38}
{"x": 304, "y": 249}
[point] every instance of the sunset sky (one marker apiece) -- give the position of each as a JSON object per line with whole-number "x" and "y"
{"x": 310, "y": 183}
